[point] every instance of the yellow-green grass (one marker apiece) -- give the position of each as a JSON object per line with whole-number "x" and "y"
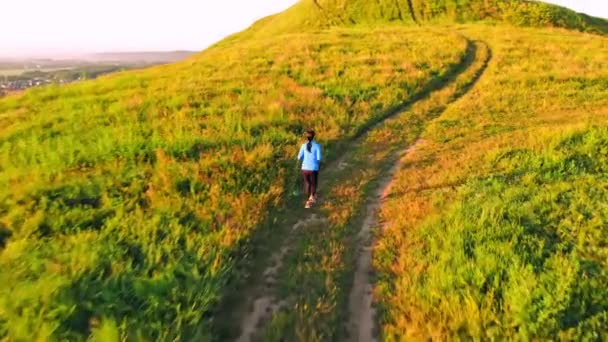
{"x": 316, "y": 14}
{"x": 127, "y": 205}
{"x": 317, "y": 277}
{"x": 496, "y": 222}
{"x": 127, "y": 202}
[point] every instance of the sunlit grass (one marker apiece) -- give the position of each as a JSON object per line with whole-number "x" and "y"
{"x": 495, "y": 224}
{"x": 318, "y": 276}
{"x": 128, "y": 199}
{"x": 127, "y": 204}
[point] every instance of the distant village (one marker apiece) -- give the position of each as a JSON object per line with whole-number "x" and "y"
{"x": 14, "y": 86}
{"x": 37, "y": 78}
{"x": 25, "y": 84}
{"x": 21, "y": 84}
{"x": 41, "y": 72}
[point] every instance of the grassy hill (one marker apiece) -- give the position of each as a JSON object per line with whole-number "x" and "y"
{"x": 131, "y": 206}
{"x": 496, "y": 220}
{"x": 130, "y": 197}
{"x": 315, "y": 14}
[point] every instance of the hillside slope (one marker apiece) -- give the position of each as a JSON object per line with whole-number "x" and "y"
{"x": 495, "y": 222}
{"x": 131, "y": 206}
{"x": 130, "y": 199}
{"x": 315, "y": 14}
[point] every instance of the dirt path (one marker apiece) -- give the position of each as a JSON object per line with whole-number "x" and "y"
{"x": 361, "y": 325}
{"x": 362, "y": 314}
{"x": 262, "y": 300}
{"x": 266, "y": 304}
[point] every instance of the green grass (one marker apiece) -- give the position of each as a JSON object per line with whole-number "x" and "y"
{"x": 130, "y": 199}
{"x": 496, "y": 226}
{"x": 128, "y": 205}
{"x": 318, "y": 275}
{"x": 315, "y": 14}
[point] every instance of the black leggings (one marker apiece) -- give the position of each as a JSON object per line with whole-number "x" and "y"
{"x": 310, "y": 182}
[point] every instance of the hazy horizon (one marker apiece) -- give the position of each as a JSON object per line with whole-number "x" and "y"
{"x": 86, "y": 54}
{"x": 65, "y": 28}
{"x": 74, "y": 29}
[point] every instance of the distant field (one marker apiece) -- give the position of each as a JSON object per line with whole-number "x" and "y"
{"x": 12, "y": 72}
{"x": 17, "y": 72}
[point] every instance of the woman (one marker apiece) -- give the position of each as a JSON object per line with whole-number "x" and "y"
{"x": 310, "y": 155}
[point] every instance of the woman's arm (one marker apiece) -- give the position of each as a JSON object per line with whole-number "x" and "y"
{"x": 301, "y": 154}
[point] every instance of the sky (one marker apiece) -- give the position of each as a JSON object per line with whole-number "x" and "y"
{"x": 63, "y": 27}
{"x": 597, "y": 8}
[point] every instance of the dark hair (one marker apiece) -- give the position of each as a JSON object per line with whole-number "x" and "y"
{"x": 310, "y": 134}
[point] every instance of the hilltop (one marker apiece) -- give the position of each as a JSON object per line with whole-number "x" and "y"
{"x": 315, "y": 14}
{"x": 465, "y": 138}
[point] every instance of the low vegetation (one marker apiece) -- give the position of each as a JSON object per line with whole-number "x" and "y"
{"x": 129, "y": 200}
{"x": 495, "y": 224}
{"x": 130, "y": 205}
{"x": 315, "y": 14}
{"x": 318, "y": 275}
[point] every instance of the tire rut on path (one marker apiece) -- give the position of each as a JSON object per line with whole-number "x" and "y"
{"x": 362, "y": 323}
{"x": 262, "y": 300}
{"x": 267, "y": 303}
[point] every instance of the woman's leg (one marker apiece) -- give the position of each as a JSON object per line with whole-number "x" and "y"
{"x": 307, "y": 183}
{"x": 315, "y": 182}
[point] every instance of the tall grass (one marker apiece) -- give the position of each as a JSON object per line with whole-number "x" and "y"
{"x": 496, "y": 222}
{"x": 127, "y": 202}
{"x": 317, "y": 277}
